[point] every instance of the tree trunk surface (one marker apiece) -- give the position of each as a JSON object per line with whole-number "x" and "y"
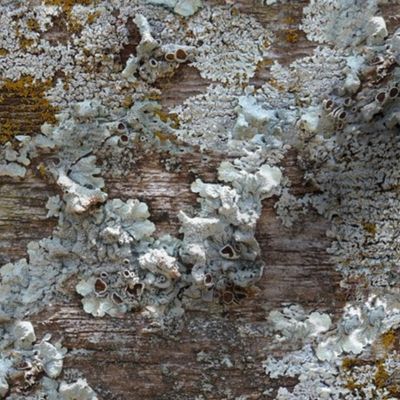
{"x": 122, "y": 357}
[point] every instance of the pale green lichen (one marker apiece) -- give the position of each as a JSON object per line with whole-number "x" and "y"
{"x": 338, "y": 107}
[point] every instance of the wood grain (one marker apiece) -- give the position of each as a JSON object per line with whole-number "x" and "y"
{"x": 125, "y": 358}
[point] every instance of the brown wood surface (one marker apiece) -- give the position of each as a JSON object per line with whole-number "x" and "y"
{"x": 124, "y": 358}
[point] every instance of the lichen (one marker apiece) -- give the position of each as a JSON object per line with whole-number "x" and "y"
{"x": 77, "y": 390}
{"x": 388, "y": 339}
{"x": 340, "y": 22}
{"x": 29, "y": 368}
{"x": 349, "y": 159}
{"x": 230, "y": 46}
{"x": 95, "y": 92}
{"x": 67, "y": 5}
{"x": 186, "y": 8}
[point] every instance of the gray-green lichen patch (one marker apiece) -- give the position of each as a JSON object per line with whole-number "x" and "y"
{"x": 76, "y": 390}
{"x": 152, "y": 60}
{"x": 339, "y": 107}
{"x": 16, "y": 158}
{"x": 359, "y": 327}
{"x": 107, "y": 245}
{"x": 220, "y": 242}
{"x": 106, "y": 237}
{"x": 30, "y": 369}
{"x": 347, "y": 141}
{"x": 345, "y": 22}
{"x": 293, "y": 323}
{"x": 229, "y": 46}
{"x": 186, "y": 8}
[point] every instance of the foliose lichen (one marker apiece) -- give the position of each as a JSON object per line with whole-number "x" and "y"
{"x": 337, "y": 107}
{"x": 30, "y": 369}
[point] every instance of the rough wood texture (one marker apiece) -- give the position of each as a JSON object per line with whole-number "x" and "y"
{"x": 120, "y": 357}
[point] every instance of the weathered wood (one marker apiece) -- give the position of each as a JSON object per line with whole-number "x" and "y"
{"x": 121, "y": 357}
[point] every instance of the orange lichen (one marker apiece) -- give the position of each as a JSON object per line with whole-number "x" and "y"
{"x": 29, "y": 107}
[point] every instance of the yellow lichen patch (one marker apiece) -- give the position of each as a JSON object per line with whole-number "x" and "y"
{"x": 42, "y": 170}
{"x": 381, "y": 375}
{"x": 127, "y": 101}
{"x": 162, "y": 136}
{"x": 388, "y": 339}
{"x": 265, "y": 63}
{"x": 3, "y": 52}
{"x": 92, "y": 17}
{"x": 165, "y": 117}
{"x": 67, "y": 5}
{"x": 381, "y": 378}
{"x": 292, "y": 36}
{"x": 23, "y": 107}
{"x": 370, "y": 228}
{"x": 266, "y": 43}
{"x": 153, "y": 96}
{"x": 175, "y": 120}
{"x": 24, "y": 42}
{"x": 74, "y": 26}
{"x": 289, "y": 20}
{"x": 352, "y": 385}
{"x": 349, "y": 363}
{"x": 66, "y": 82}
{"x": 274, "y": 83}
{"x": 235, "y": 12}
{"x": 33, "y": 25}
